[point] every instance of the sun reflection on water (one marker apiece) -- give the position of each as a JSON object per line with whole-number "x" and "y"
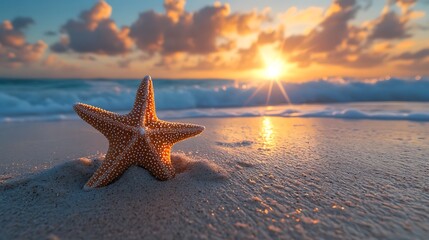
{"x": 267, "y": 133}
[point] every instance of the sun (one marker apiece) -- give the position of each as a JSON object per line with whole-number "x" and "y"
{"x": 275, "y": 66}
{"x": 273, "y": 70}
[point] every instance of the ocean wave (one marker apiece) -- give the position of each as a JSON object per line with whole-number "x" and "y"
{"x": 53, "y": 99}
{"x": 371, "y": 111}
{"x": 358, "y": 111}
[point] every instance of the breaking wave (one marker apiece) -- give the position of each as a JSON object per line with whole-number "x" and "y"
{"x": 29, "y": 100}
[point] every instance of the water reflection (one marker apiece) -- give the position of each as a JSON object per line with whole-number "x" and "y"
{"x": 267, "y": 133}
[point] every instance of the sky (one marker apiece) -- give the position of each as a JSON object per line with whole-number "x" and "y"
{"x": 242, "y": 39}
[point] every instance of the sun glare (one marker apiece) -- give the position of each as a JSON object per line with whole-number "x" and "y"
{"x": 275, "y": 66}
{"x": 273, "y": 70}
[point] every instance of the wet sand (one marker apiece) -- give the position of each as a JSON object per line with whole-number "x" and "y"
{"x": 252, "y": 178}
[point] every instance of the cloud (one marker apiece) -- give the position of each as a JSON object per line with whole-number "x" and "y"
{"x": 308, "y": 15}
{"x": 124, "y": 63}
{"x": 22, "y": 22}
{"x": 333, "y": 41}
{"x": 337, "y": 40}
{"x": 95, "y": 33}
{"x": 174, "y": 8}
{"x": 87, "y": 57}
{"x": 390, "y": 26}
{"x": 14, "y": 48}
{"x": 270, "y": 36}
{"x": 10, "y": 37}
{"x": 180, "y": 38}
{"x": 333, "y": 29}
{"x": 416, "y": 67}
{"x": 404, "y": 5}
{"x": 54, "y": 62}
{"x": 50, "y": 33}
{"x": 61, "y": 46}
{"x": 214, "y": 37}
{"x": 419, "y": 55}
{"x": 26, "y": 53}
{"x": 249, "y": 58}
{"x": 416, "y": 62}
{"x": 201, "y": 32}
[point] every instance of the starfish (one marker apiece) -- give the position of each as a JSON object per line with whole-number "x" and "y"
{"x": 137, "y": 138}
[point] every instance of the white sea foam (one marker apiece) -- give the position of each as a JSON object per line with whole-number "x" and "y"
{"x": 396, "y": 111}
{"x": 53, "y": 100}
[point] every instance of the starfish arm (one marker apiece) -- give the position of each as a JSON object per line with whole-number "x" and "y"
{"x": 160, "y": 139}
{"x": 150, "y": 114}
{"x": 108, "y": 123}
{"x": 107, "y": 173}
{"x": 144, "y": 105}
{"x": 156, "y": 159}
{"x": 118, "y": 159}
{"x": 172, "y": 133}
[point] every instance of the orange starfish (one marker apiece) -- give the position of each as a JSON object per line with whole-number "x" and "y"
{"x": 137, "y": 138}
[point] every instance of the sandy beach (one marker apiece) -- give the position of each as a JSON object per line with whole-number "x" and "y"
{"x": 243, "y": 178}
{"x": 306, "y": 120}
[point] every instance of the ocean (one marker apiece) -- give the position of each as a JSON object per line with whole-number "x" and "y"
{"x": 387, "y": 99}
{"x": 301, "y": 174}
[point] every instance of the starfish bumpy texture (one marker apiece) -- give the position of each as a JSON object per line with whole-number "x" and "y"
{"x": 137, "y": 138}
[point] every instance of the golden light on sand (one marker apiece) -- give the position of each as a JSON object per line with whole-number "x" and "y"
{"x": 267, "y": 132}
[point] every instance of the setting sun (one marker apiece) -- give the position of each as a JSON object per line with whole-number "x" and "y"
{"x": 274, "y": 65}
{"x": 273, "y": 70}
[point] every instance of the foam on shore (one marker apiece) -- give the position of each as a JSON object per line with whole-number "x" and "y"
{"x": 36, "y": 100}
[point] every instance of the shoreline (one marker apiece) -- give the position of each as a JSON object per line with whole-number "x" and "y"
{"x": 385, "y": 111}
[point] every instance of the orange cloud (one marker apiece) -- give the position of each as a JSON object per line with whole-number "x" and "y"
{"x": 101, "y": 11}
{"x": 310, "y": 15}
{"x": 174, "y": 8}
{"x": 390, "y": 26}
{"x": 195, "y": 33}
{"x": 95, "y": 33}
{"x": 9, "y": 36}
{"x": 14, "y": 49}
{"x": 337, "y": 41}
{"x": 215, "y": 37}
{"x": 417, "y": 56}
